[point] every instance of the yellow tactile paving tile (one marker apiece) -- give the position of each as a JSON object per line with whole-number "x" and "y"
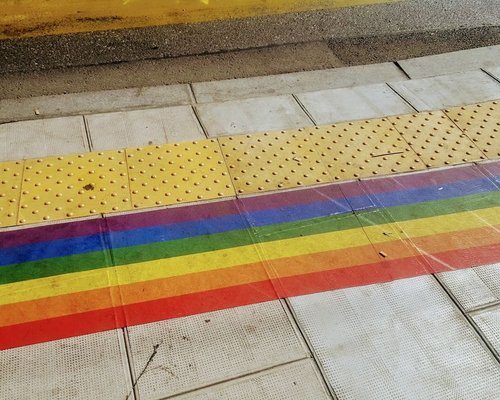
{"x": 177, "y": 173}
{"x": 481, "y": 123}
{"x": 11, "y": 173}
{"x": 28, "y": 18}
{"x": 436, "y": 139}
{"x": 55, "y": 188}
{"x": 363, "y": 149}
{"x": 269, "y": 161}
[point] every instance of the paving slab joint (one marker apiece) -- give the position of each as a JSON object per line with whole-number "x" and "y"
{"x": 200, "y": 121}
{"x": 306, "y": 111}
{"x": 480, "y": 335}
{"x": 192, "y": 94}
{"x": 134, "y": 393}
{"x": 87, "y": 133}
{"x": 397, "y": 64}
{"x": 484, "y": 307}
{"x": 490, "y": 74}
{"x": 400, "y": 96}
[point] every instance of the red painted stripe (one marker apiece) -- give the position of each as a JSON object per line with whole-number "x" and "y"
{"x": 72, "y": 229}
{"x": 387, "y": 271}
{"x": 465, "y": 258}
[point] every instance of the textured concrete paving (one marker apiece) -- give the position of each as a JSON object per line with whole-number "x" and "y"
{"x": 404, "y": 339}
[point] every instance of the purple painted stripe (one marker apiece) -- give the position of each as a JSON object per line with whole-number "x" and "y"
{"x": 294, "y": 197}
{"x": 173, "y": 215}
{"x": 353, "y": 189}
{"x": 491, "y": 169}
{"x": 51, "y": 232}
{"x": 362, "y": 194}
{"x": 422, "y": 179}
{"x": 72, "y": 229}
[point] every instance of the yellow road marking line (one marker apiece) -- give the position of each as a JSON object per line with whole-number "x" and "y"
{"x": 29, "y": 18}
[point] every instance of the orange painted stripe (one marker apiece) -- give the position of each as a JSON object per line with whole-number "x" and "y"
{"x": 388, "y": 271}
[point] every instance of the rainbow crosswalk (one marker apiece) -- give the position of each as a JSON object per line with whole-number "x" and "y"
{"x": 80, "y": 277}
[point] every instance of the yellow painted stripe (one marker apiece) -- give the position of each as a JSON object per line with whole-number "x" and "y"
{"x": 24, "y": 18}
{"x": 163, "y": 268}
{"x": 102, "y": 278}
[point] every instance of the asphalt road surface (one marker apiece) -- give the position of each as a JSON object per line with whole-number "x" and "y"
{"x": 234, "y": 48}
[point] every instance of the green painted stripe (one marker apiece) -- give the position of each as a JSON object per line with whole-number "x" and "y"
{"x": 54, "y": 266}
{"x": 200, "y": 244}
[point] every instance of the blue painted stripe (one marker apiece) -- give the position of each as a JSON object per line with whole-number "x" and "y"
{"x": 439, "y": 192}
{"x": 298, "y": 212}
{"x": 164, "y": 233}
{"x": 51, "y": 249}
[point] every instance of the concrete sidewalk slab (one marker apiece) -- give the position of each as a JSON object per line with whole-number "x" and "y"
{"x": 351, "y": 104}
{"x": 474, "y": 288}
{"x": 93, "y": 102}
{"x": 143, "y": 127}
{"x": 404, "y": 339}
{"x": 296, "y": 381}
{"x": 85, "y": 367}
{"x": 252, "y": 115}
{"x": 205, "y": 349}
{"x": 448, "y": 90}
{"x": 298, "y": 82}
{"x": 450, "y": 63}
{"x": 488, "y": 322}
{"x": 32, "y": 139}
